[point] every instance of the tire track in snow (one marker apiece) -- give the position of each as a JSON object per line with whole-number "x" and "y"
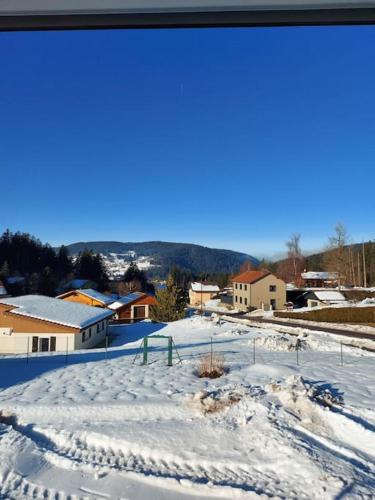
{"x": 76, "y": 453}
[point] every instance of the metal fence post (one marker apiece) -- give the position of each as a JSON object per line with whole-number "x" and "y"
{"x": 341, "y": 355}
{"x": 170, "y": 351}
{"x": 254, "y": 350}
{"x": 67, "y": 347}
{"x": 145, "y": 344}
{"x": 27, "y": 355}
{"x": 297, "y": 344}
{"x": 106, "y": 346}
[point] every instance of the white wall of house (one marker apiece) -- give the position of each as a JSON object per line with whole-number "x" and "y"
{"x": 92, "y": 336}
{"x": 21, "y": 343}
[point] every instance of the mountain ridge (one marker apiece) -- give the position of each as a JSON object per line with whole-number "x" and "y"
{"x": 196, "y": 258}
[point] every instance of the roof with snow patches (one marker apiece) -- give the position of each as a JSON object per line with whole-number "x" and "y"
{"x": 126, "y": 299}
{"x": 201, "y": 287}
{"x": 100, "y": 297}
{"x": 56, "y": 310}
{"x": 329, "y": 296}
{"x": 319, "y": 275}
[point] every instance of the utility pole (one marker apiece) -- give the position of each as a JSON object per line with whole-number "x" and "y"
{"x": 364, "y": 266}
{"x": 359, "y": 269}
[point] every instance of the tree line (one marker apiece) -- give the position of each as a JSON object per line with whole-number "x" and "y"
{"x": 42, "y": 269}
{"x": 353, "y": 263}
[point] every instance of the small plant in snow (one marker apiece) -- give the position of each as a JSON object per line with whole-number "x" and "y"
{"x": 211, "y": 366}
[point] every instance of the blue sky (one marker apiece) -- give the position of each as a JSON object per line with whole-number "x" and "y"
{"x": 232, "y": 138}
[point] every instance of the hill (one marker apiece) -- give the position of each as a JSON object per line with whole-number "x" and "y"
{"x": 163, "y": 255}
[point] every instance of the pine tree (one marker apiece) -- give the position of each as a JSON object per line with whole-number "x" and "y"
{"x": 134, "y": 279}
{"x": 171, "y": 303}
{"x": 4, "y": 271}
{"x": 47, "y": 284}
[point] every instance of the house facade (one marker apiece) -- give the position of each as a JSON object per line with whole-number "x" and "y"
{"x": 34, "y": 323}
{"x": 88, "y": 297}
{"x": 132, "y": 307}
{"x": 199, "y": 293}
{"x": 258, "y": 290}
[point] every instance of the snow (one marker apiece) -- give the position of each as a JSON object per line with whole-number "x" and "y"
{"x": 319, "y": 275}
{"x": 329, "y": 295}
{"x": 56, "y": 310}
{"x": 117, "y": 263}
{"x": 104, "y": 426}
{"x": 200, "y": 287}
{"x": 101, "y": 297}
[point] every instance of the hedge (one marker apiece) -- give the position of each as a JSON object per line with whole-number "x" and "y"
{"x": 333, "y": 315}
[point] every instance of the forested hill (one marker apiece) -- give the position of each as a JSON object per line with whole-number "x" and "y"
{"x": 195, "y": 258}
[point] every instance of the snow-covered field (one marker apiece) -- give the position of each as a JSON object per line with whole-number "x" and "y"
{"x": 104, "y": 426}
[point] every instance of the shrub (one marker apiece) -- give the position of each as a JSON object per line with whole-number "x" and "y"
{"x": 211, "y": 366}
{"x": 333, "y": 315}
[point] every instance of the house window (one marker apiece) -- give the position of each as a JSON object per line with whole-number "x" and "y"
{"x": 272, "y": 288}
{"x": 245, "y": 301}
{"x": 240, "y": 286}
{"x": 98, "y": 327}
{"x": 52, "y": 346}
{"x": 83, "y": 336}
{"x": 245, "y": 287}
{"x": 235, "y": 286}
{"x": 35, "y": 344}
{"x": 89, "y": 333}
{"x": 235, "y": 298}
{"x": 240, "y": 300}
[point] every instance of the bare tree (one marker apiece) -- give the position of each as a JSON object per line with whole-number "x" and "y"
{"x": 290, "y": 268}
{"x": 337, "y": 258}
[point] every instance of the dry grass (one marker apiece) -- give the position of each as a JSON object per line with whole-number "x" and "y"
{"x": 211, "y": 366}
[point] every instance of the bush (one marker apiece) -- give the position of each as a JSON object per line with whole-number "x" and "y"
{"x": 211, "y": 366}
{"x": 333, "y": 315}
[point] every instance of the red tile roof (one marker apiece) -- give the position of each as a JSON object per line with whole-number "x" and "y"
{"x": 250, "y": 276}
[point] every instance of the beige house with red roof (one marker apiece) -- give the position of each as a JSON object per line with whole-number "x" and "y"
{"x": 258, "y": 290}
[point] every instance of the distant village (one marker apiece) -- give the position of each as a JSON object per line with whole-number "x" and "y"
{"x": 77, "y": 315}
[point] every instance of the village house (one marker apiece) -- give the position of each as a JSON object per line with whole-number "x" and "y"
{"x": 319, "y": 279}
{"x": 35, "y": 323}
{"x": 132, "y": 307}
{"x": 258, "y": 290}
{"x": 319, "y": 298}
{"x": 199, "y": 293}
{"x": 88, "y": 297}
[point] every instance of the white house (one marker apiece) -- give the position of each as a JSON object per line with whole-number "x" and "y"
{"x": 33, "y": 323}
{"x": 199, "y": 293}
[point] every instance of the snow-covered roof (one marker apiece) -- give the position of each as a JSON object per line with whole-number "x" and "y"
{"x": 13, "y": 280}
{"x": 319, "y": 275}
{"x": 125, "y": 299}
{"x": 329, "y": 295}
{"x": 100, "y": 297}
{"x": 56, "y": 310}
{"x": 200, "y": 287}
